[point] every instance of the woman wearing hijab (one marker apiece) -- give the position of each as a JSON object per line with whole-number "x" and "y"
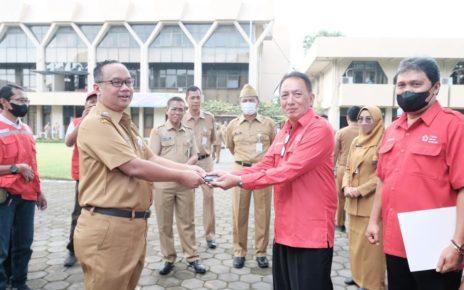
{"x": 359, "y": 183}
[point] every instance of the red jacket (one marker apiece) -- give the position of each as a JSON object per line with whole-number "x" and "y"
{"x": 75, "y": 156}
{"x": 18, "y": 146}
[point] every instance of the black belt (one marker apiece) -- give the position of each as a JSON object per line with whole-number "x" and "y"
{"x": 246, "y": 164}
{"x": 200, "y": 157}
{"x": 120, "y": 212}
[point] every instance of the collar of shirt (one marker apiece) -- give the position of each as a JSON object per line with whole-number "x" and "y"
{"x": 302, "y": 121}
{"x": 189, "y": 116}
{"x": 427, "y": 117}
{"x": 7, "y": 121}
{"x": 169, "y": 126}
{"x": 113, "y": 115}
{"x": 258, "y": 117}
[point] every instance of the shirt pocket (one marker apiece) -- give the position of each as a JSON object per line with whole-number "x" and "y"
{"x": 426, "y": 160}
{"x": 167, "y": 146}
{"x": 10, "y": 149}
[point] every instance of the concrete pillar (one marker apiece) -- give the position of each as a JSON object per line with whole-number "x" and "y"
{"x": 141, "y": 123}
{"x": 144, "y": 70}
{"x": 39, "y": 121}
{"x": 388, "y": 116}
{"x": 197, "y": 67}
{"x": 57, "y": 122}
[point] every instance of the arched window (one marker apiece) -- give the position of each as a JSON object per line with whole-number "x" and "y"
{"x": 17, "y": 59}
{"x": 66, "y": 61}
{"x": 119, "y": 44}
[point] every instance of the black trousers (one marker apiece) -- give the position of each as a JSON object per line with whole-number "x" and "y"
{"x": 74, "y": 216}
{"x": 301, "y": 268}
{"x": 400, "y": 278}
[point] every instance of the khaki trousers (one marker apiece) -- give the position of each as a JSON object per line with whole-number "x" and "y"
{"x": 181, "y": 202}
{"x": 209, "y": 217}
{"x": 111, "y": 250}
{"x": 262, "y": 199}
{"x": 367, "y": 261}
{"x": 341, "y": 197}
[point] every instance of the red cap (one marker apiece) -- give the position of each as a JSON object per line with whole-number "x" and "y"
{"x": 90, "y": 95}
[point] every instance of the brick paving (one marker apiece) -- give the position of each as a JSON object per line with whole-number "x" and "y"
{"x": 46, "y": 269}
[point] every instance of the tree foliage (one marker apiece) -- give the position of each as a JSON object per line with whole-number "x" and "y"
{"x": 222, "y": 108}
{"x": 310, "y": 38}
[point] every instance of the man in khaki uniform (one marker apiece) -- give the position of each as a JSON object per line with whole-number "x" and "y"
{"x": 175, "y": 142}
{"x": 116, "y": 171}
{"x": 343, "y": 139}
{"x": 204, "y": 129}
{"x": 248, "y": 137}
{"x": 217, "y": 146}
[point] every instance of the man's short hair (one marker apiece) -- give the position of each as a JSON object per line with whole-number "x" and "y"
{"x": 174, "y": 99}
{"x": 97, "y": 71}
{"x": 6, "y": 92}
{"x": 298, "y": 75}
{"x": 191, "y": 89}
{"x": 427, "y": 65}
{"x": 353, "y": 113}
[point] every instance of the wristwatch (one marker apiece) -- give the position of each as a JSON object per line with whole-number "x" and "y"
{"x": 14, "y": 169}
{"x": 240, "y": 184}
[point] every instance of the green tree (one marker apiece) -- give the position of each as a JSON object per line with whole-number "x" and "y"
{"x": 310, "y": 38}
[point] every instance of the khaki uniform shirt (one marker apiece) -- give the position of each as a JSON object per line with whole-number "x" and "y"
{"x": 343, "y": 139}
{"x": 107, "y": 140}
{"x": 176, "y": 145}
{"x": 203, "y": 129}
{"x": 360, "y": 172}
{"x": 250, "y": 140}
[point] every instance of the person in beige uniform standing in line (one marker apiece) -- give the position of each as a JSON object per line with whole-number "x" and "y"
{"x": 343, "y": 139}
{"x": 203, "y": 125}
{"x": 175, "y": 142}
{"x": 359, "y": 182}
{"x": 248, "y": 137}
{"x": 115, "y": 185}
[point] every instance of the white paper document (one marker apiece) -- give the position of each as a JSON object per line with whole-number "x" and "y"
{"x": 425, "y": 234}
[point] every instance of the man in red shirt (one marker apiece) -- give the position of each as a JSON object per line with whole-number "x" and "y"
{"x": 420, "y": 167}
{"x": 299, "y": 164}
{"x": 20, "y": 188}
{"x": 70, "y": 140}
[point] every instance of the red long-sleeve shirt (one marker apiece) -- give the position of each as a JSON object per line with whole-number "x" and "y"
{"x": 305, "y": 198}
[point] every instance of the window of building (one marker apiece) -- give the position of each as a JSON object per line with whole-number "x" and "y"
{"x": 71, "y": 112}
{"x": 66, "y": 58}
{"x": 17, "y": 59}
{"x": 148, "y": 117}
{"x": 171, "y": 76}
{"x": 15, "y": 47}
{"x": 458, "y": 74}
{"x": 226, "y": 45}
{"x": 39, "y": 31}
{"x": 198, "y": 30}
{"x": 119, "y": 44}
{"x": 143, "y": 31}
{"x": 134, "y": 112}
{"x": 171, "y": 45}
{"x": 90, "y": 31}
{"x": 224, "y": 76}
{"x": 366, "y": 72}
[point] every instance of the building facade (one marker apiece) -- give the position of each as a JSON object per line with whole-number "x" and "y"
{"x": 359, "y": 71}
{"x": 50, "y": 47}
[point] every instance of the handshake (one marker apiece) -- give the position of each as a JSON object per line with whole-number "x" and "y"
{"x": 216, "y": 178}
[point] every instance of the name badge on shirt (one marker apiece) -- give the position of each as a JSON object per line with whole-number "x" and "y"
{"x": 204, "y": 141}
{"x": 259, "y": 147}
{"x": 140, "y": 143}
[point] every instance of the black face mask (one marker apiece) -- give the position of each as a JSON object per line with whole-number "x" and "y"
{"x": 19, "y": 110}
{"x": 412, "y": 102}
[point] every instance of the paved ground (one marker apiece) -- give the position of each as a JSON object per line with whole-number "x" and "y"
{"x": 51, "y": 235}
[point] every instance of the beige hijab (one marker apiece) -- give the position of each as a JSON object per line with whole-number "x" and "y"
{"x": 374, "y": 137}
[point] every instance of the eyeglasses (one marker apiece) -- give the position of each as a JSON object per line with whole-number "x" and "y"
{"x": 287, "y": 138}
{"x": 367, "y": 120}
{"x": 117, "y": 83}
{"x": 21, "y": 101}
{"x": 177, "y": 110}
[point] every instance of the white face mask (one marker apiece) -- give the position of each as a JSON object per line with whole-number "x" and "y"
{"x": 248, "y": 108}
